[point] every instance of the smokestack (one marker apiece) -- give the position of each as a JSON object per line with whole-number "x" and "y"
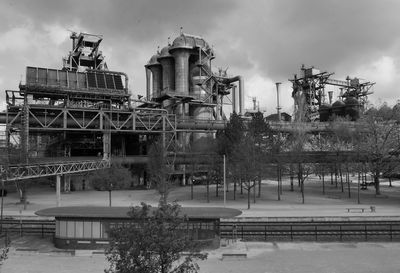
{"x": 241, "y": 95}
{"x": 254, "y": 103}
{"x": 278, "y": 108}
{"x": 73, "y": 37}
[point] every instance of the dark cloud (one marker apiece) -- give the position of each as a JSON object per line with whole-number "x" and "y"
{"x": 329, "y": 34}
{"x": 140, "y": 21}
{"x": 268, "y": 38}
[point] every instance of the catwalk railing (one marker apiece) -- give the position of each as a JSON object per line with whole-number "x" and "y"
{"x": 47, "y": 118}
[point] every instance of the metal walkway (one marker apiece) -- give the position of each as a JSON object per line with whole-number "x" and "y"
{"x": 27, "y": 171}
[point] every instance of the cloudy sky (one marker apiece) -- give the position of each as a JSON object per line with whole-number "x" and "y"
{"x": 265, "y": 41}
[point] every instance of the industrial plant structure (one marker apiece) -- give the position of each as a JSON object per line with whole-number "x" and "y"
{"x": 311, "y": 101}
{"x": 81, "y": 117}
{"x": 75, "y": 119}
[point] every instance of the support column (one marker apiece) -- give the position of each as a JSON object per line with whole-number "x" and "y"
{"x": 123, "y": 146}
{"x": 24, "y": 134}
{"x": 58, "y": 190}
{"x": 106, "y": 145}
{"x": 67, "y": 183}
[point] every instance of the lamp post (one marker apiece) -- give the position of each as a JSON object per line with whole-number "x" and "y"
{"x": 109, "y": 193}
{"x": 224, "y": 181}
{"x": 278, "y": 107}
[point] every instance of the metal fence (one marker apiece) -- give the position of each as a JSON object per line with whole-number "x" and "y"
{"x": 27, "y": 227}
{"x": 312, "y": 231}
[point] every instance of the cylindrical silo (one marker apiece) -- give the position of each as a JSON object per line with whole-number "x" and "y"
{"x": 148, "y": 75}
{"x": 181, "y": 71}
{"x": 168, "y": 69}
{"x": 180, "y": 49}
{"x": 156, "y": 71}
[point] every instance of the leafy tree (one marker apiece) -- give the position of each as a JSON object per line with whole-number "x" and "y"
{"x": 228, "y": 141}
{"x": 232, "y": 135}
{"x": 265, "y": 143}
{"x": 115, "y": 178}
{"x": 4, "y": 251}
{"x": 246, "y": 145}
{"x": 159, "y": 170}
{"x": 153, "y": 242}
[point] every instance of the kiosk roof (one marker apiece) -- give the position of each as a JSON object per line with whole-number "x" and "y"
{"x": 122, "y": 212}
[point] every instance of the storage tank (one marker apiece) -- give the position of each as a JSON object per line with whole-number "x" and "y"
{"x": 325, "y": 111}
{"x": 352, "y": 108}
{"x": 338, "y": 108}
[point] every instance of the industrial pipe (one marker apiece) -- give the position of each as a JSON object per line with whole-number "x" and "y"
{"x": 234, "y": 99}
{"x": 241, "y": 90}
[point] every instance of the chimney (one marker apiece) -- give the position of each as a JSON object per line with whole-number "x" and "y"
{"x": 278, "y": 107}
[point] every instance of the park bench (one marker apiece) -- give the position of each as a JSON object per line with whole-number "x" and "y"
{"x": 234, "y": 255}
{"x": 361, "y": 210}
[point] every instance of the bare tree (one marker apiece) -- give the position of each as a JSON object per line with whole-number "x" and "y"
{"x": 378, "y": 141}
{"x": 298, "y": 143}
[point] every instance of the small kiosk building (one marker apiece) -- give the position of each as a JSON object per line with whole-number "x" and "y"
{"x": 88, "y": 227}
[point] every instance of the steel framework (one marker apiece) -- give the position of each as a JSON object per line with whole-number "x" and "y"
{"x": 309, "y": 92}
{"x": 25, "y": 171}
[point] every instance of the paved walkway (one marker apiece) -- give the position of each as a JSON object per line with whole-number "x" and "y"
{"x": 260, "y": 258}
{"x": 333, "y": 203}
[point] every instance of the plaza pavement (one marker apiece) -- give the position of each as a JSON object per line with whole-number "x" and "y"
{"x": 35, "y": 255}
{"x": 262, "y": 257}
{"x": 333, "y": 203}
